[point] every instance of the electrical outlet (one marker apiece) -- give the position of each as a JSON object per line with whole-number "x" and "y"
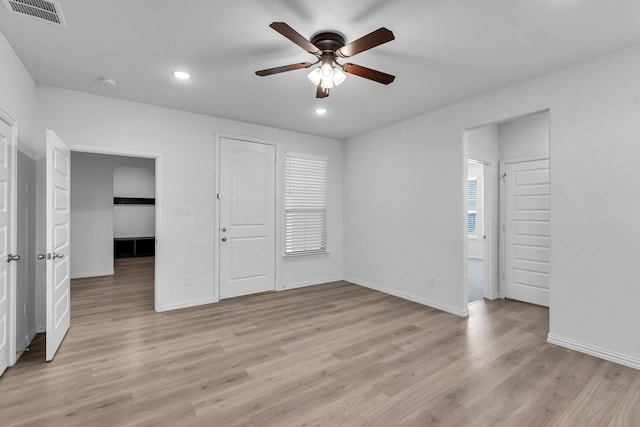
{"x": 432, "y": 280}
{"x": 187, "y": 280}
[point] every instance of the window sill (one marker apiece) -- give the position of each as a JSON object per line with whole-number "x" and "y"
{"x": 299, "y": 256}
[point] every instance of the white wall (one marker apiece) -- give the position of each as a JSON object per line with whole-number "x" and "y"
{"x": 26, "y": 240}
{"x": 18, "y": 96}
{"x": 134, "y": 220}
{"x": 186, "y": 144}
{"x": 524, "y": 137}
{"x": 135, "y": 181}
{"x": 92, "y": 209}
{"x": 404, "y": 187}
{"x": 18, "y": 100}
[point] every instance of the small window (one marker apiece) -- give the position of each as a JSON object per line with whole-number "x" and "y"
{"x": 472, "y": 193}
{"x": 305, "y": 205}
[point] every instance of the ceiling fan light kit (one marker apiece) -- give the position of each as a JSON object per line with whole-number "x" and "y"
{"x": 327, "y": 47}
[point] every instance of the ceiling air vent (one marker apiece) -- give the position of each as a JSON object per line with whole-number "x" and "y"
{"x": 49, "y": 11}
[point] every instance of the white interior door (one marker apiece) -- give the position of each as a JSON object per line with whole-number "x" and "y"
{"x": 526, "y": 227}
{"x": 57, "y": 241}
{"x": 7, "y": 269}
{"x": 247, "y": 217}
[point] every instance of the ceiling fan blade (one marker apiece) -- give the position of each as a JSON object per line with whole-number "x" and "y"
{"x": 321, "y": 92}
{"x": 368, "y": 73}
{"x": 371, "y": 40}
{"x": 282, "y": 69}
{"x": 295, "y": 37}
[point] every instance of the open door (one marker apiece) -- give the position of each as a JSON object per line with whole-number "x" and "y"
{"x": 7, "y": 241}
{"x": 57, "y": 241}
{"x": 527, "y": 231}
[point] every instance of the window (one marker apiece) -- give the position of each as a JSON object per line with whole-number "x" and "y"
{"x": 305, "y": 205}
{"x": 472, "y": 193}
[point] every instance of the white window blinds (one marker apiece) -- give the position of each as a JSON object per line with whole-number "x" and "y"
{"x": 305, "y": 205}
{"x": 472, "y": 193}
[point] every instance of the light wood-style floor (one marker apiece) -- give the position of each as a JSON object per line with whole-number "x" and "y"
{"x": 336, "y": 354}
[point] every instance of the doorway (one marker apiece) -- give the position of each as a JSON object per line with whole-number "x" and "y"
{"x": 113, "y": 211}
{"x": 498, "y": 146}
{"x": 476, "y": 227}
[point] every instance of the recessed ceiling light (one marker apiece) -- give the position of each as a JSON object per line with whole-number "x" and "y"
{"x": 181, "y": 75}
{"x": 321, "y": 111}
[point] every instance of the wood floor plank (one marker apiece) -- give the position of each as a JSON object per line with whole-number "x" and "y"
{"x": 329, "y": 355}
{"x": 599, "y": 401}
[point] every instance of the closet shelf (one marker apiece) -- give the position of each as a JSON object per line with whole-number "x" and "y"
{"x": 133, "y": 201}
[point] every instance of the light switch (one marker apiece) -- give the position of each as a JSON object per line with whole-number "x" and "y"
{"x": 182, "y": 211}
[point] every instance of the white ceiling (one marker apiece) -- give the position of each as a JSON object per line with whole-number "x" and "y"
{"x": 445, "y": 51}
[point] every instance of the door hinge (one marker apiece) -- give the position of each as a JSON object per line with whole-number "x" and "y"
{"x": 504, "y": 177}
{"x": 504, "y": 228}
{"x": 218, "y": 196}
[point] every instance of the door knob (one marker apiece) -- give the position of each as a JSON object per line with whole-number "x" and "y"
{"x": 11, "y": 257}
{"x": 224, "y": 239}
{"x": 42, "y": 256}
{"x": 223, "y": 229}
{"x": 58, "y": 255}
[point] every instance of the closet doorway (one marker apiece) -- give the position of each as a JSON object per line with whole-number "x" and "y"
{"x": 114, "y": 215}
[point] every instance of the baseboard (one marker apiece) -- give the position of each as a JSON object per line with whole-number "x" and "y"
{"x": 41, "y": 329}
{"x": 420, "y": 300}
{"x": 304, "y": 284}
{"x": 187, "y": 304}
{"x": 602, "y": 353}
{"x": 94, "y": 274}
{"x": 25, "y": 343}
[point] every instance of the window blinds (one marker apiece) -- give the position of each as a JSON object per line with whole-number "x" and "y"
{"x": 472, "y": 191}
{"x": 305, "y": 205}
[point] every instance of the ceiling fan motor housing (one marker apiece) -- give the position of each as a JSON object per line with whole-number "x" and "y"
{"x": 328, "y": 41}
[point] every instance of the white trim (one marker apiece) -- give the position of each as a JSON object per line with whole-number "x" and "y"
{"x": 420, "y": 300}
{"x": 112, "y": 151}
{"x": 307, "y": 283}
{"x": 306, "y": 255}
{"x": 157, "y": 278}
{"x": 216, "y": 220}
{"x": 13, "y": 212}
{"x": 592, "y": 350}
{"x": 187, "y": 304}
{"x": 524, "y": 159}
{"x": 92, "y": 274}
{"x": 306, "y": 156}
{"x": 41, "y": 329}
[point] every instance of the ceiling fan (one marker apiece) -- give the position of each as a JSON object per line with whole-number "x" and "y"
{"x": 328, "y": 47}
